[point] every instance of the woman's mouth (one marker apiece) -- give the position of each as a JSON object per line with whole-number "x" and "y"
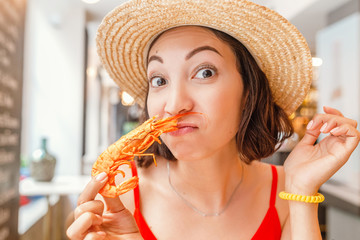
{"x": 183, "y": 129}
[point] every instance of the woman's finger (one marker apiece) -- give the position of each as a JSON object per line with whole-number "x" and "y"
{"x": 333, "y": 111}
{"x": 114, "y": 205}
{"x": 345, "y": 139}
{"x": 95, "y": 236}
{"x": 95, "y": 206}
{"x": 348, "y": 136}
{"x": 346, "y": 131}
{"x": 319, "y": 120}
{"x": 80, "y": 227}
{"x": 311, "y": 135}
{"x": 92, "y": 188}
{"x": 324, "y": 123}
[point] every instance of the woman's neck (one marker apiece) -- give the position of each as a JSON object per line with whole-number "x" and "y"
{"x": 209, "y": 182}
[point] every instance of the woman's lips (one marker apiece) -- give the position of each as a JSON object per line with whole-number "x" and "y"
{"x": 183, "y": 128}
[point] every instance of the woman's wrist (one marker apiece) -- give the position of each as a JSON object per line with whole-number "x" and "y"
{"x": 299, "y": 191}
{"x": 292, "y": 187}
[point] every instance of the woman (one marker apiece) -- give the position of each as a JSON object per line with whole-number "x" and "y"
{"x": 209, "y": 182}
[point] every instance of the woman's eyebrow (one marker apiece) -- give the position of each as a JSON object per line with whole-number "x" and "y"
{"x": 155, "y": 57}
{"x": 199, "y": 49}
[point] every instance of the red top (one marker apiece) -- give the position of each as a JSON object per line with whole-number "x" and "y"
{"x": 269, "y": 228}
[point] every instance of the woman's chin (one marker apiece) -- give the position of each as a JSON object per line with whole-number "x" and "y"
{"x": 186, "y": 154}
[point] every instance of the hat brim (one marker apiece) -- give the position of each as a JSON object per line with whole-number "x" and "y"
{"x": 280, "y": 50}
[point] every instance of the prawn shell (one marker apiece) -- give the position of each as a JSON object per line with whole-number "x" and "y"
{"x": 123, "y": 151}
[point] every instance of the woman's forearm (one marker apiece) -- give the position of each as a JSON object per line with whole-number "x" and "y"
{"x": 304, "y": 221}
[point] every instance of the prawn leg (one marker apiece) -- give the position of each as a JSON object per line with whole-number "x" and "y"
{"x": 127, "y": 185}
{"x": 111, "y": 190}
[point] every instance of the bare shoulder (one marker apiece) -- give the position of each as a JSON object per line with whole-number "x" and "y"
{"x": 263, "y": 169}
{"x": 152, "y": 178}
{"x": 281, "y": 205}
{"x": 281, "y": 177}
{"x": 149, "y": 182}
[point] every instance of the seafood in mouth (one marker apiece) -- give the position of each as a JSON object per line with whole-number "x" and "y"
{"x": 123, "y": 151}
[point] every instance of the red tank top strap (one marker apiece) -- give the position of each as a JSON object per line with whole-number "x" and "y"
{"x": 145, "y": 231}
{"x": 274, "y": 185}
{"x": 136, "y": 190}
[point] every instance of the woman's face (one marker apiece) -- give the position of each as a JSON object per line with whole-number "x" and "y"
{"x": 191, "y": 70}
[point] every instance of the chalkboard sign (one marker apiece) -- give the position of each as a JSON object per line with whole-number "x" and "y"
{"x": 12, "y": 17}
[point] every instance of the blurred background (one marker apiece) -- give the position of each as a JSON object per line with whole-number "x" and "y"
{"x": 59, "y": 109}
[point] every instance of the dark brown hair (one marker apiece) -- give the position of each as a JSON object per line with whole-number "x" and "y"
{"x": 264, "y": 125}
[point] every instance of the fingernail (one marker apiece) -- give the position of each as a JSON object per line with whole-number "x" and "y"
{"x": 101, "y": 233}
{"x": 334, "y": 130}
{"x": 100, "y": 176}
{"x": 309, "y": 125}
{"x": 323, "y": 127}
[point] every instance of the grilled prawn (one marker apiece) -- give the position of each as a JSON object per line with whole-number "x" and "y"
{"x": 123, "y": 151}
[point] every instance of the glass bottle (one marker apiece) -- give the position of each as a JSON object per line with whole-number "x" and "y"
{"x": 42, "y": 166}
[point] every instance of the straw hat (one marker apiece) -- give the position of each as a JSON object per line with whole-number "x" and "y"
{"x": 124, "y": 36}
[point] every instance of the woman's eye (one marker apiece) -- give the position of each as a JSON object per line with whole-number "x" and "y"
{"x": 205, "y": 73}
{"x": 157, "y": 82}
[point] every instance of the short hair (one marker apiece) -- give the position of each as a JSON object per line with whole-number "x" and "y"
{"x": 264, "y": 125}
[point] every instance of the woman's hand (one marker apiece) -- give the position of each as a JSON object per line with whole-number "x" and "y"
{"x": 93, "y": 221}
{"x": 309, "y": 166}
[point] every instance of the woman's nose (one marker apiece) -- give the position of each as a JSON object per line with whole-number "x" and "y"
{"x": 179, "y": 100}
